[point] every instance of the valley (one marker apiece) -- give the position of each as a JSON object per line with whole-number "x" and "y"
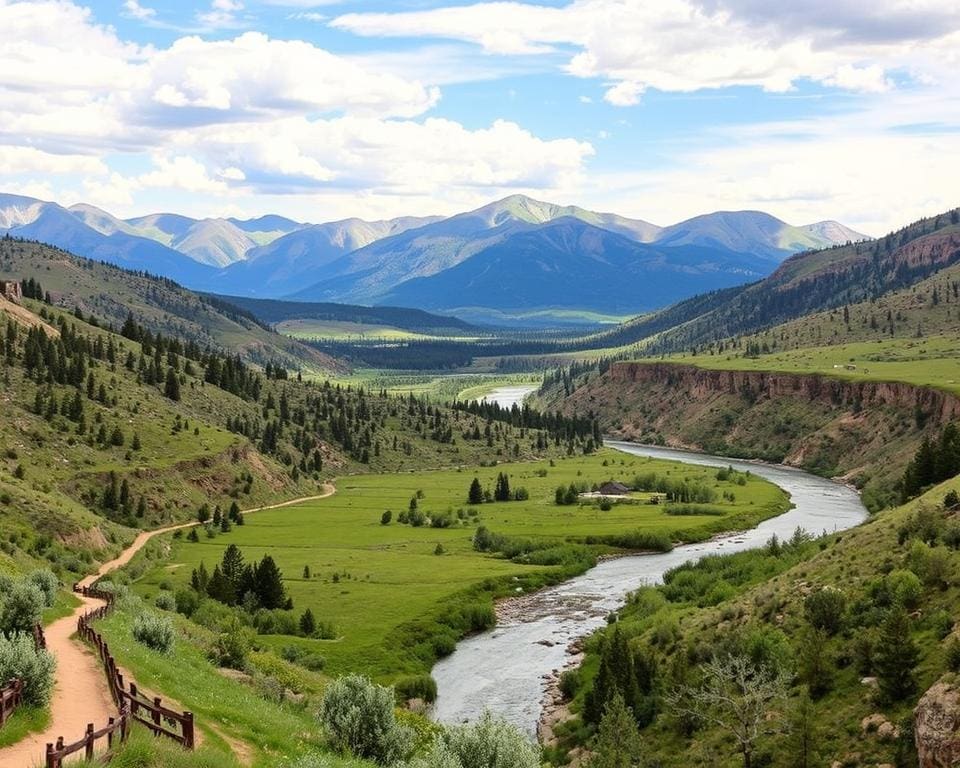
{"x": 470, "y": 522}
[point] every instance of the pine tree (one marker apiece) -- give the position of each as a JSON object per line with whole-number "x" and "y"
{"x": 896, "y": 656}
{"x": 232, "y": 567}
{"x": 476, "y": 492}
{"x": 220, "y": 588}
{"x": 308, "y": 625}
{"x": 803, "y": 737}
{"x": 269, "y": 584}
{"x": 618, "y": 739}
{"x": 171, "y": 387}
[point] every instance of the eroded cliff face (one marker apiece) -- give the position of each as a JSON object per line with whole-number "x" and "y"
{"x": 859, "y": 430}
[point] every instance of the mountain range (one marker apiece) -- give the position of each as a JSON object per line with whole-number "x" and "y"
{"x": 511, "y": 256}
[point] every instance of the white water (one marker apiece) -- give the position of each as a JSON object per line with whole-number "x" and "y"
{"x": 502, "y": 670}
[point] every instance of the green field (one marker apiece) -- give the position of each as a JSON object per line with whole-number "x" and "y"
{"x": 370, "y": 579}
{"x": 343, "y": 330}
{"x": 933, "y": 361}
{"x": 440, "y": 388}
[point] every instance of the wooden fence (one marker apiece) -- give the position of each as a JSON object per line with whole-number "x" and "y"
{"x": 10, "y": 697}
{"x": 132, "y": 705}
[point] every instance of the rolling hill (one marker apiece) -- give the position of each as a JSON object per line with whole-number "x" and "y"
{"x": 809, "y": 282}
{"x": 111, "y": 294}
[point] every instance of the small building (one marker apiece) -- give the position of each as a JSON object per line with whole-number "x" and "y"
{"x": 11, "y": 291}
{"x": 613, "y": 489}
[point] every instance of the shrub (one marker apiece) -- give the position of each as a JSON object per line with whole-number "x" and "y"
{"x": 155, "y": 632}
{"x": 187, "y": 601}
{"x": 21, "y": 608}
{"x": 358, "y": 717}
{"x": 19, "y": 658}
{"x": 825, "y": 609}
{"x": 905, "y": 588}
{"x": 232, "y": 645}
{"x": 416, "y": 687}
{"x": 488, "y": 743}
{"x": 48, "y": 583}
{"x": 166, "y": 602}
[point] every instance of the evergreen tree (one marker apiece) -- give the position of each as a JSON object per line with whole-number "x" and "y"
{"x": 896, "y": 656}
{"x": 502, "y": 490}
{"x": 618, "y": 740}
{"x": 220, "y": 588}
{"x": 232, "y": 567}
{"x": 475, "y": 495}
{"x": 269, "y": 584}
{"x": 803, "y": 737}
{"x": 308, "y": 625}
{"x": 171, "y": 387}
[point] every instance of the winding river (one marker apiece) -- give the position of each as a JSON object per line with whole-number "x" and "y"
{"x": 504, "y": 670}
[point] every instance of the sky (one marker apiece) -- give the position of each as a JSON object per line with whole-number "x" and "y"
{"x": 653, "y": 109}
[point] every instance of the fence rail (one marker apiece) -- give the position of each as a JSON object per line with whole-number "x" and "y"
{"x": 10, "y": 697}
{"x": 132, "y": 705}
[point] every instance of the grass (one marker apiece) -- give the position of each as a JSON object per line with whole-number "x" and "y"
{"x": 932, "y": 362}
{"x": 440, "y": 388}
{"x": 371, "y": 580}
{"x": 344, "y": 330}
{"x": 226, "y": 711}
{"x": 762, "y": 597}
{"x": 24, "y": 721}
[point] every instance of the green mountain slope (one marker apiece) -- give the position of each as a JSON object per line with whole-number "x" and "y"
{"x": 111, "y": 293}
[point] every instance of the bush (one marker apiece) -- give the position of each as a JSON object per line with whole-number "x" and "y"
{"x": 825, "y": 609}
{"x": 232, "y": 645}
{"x": 416, "y": 687}
{"x": 358, "y": 717}
{"x": 19, "y": 658}
{"x": 187, "y": 601}
{"x": 155, "y": 632}
{"x": 48, "y": 583}
{"x": 488, "y": 743}
{"x": 21, "y": 608}
{"x": 166, "y": 602}
{"x": 905, "y": 588}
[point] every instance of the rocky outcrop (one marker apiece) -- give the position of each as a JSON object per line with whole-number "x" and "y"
{"x": 933, "y": 403}
{"x": 862, "y": 431}
{"x": 936, "y": 726}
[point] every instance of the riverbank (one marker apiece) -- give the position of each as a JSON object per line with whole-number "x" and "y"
{"x": 506, "y": 668}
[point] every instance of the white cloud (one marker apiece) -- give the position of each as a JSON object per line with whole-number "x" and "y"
{"x": 624, "y": 94}
{"x": 685, "y": 45}
{"x": 134, "y": 10}
{"x": 244, "y": 116}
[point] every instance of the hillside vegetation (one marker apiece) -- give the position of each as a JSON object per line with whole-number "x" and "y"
{"x": 111, "y": 294}
{"x": 838, "y": 639}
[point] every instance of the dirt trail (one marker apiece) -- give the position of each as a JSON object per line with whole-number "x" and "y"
{"x": 80, "y": 695}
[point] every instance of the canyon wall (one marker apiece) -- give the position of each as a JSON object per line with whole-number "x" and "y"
{"x": 862, "y": 431}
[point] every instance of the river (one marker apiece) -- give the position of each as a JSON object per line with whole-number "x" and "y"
{"x": 503, "y": 670}
{"x": 510, "y": 395}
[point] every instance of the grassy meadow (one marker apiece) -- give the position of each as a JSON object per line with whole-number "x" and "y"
{"x": 932, "y": 361}
{"x": 371, "y": 580}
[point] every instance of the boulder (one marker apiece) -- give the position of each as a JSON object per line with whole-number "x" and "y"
{"x": 936, "y": 725}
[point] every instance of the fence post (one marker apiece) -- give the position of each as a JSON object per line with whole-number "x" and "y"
{"x": 157, "y": 703}
{"x": 88, "y": 747}
{"x": 188, "y": 730}
{"x": 50, "y": 758}
{"x": 134, "y": 708}
{"x": 110, "y": 723}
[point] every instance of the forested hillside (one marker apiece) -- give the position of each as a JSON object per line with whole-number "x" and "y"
{"x": 110, "y": 294}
